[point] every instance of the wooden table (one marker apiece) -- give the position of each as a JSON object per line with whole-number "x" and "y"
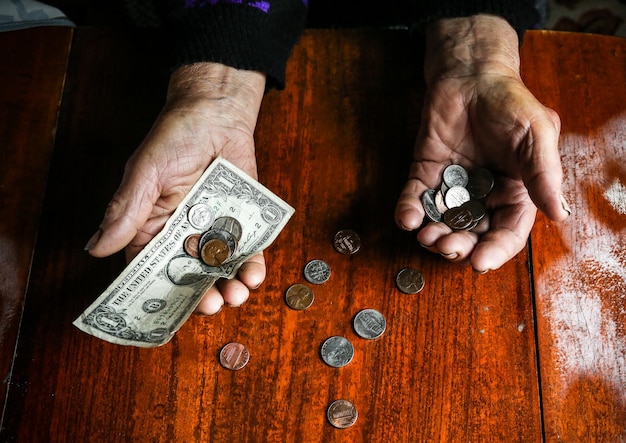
{"x": 534, "y": 351}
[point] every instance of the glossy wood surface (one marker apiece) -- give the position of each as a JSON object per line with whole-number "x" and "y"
{"x": 470, "y": 358}
{"x": 32, "y": 71}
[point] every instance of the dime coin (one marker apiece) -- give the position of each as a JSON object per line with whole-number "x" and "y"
{"x": 201, "y": 216}
{"x": 317, "y": 272}
{"x": 215, "y": 251}
{"x": 480, "y": 183}
{"x": 456, "y": 196}
{"x": 228, "y": 224}
{"x": 234, "y": 356}
{"x": 369, "y": 324}
{"x": 430, "y": 205}
{"x": 341, "y": 414}
{"x": 347, "y": 242}
{"x": 337, "y": 351}
{"x": 455, "y": 175}
{"x": 458, "y": 218}
{"x": 299, "y": 296}
{"x": 410, "y": 281}
{"x": 191, "y": 245}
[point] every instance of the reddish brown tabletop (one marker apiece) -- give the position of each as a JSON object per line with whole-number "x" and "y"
{"x": 532, "y": 351}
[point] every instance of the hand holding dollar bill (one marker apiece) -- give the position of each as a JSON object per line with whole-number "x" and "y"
{"x": 226, "y": 218}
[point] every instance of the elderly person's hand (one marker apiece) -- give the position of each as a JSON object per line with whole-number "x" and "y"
{"x": 478, "y": 113}
{"x": 211, "y": 110}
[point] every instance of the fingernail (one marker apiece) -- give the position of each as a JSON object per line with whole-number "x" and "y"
{"x": 481, "y": 272}
{"x": 565, "y": 205}
{"x": 93, "y": 240}
{"x": 450, "y": 256}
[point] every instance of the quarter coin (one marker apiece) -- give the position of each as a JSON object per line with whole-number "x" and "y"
{"x": 299, "y": 296}
{"x": 201, "y": 216}
{"x": 480, "y": 182}
{"x": 456, "y": 196}
{"x": 369, "y": 324}
{"x": 337, "y": 351}
{"x": 317, "y": 272}
{"x": 458, "y": 218}
{"x": 347, "y": 242}
{"x": 410, "y": 281}
{"x": 342, "y": 414}
{"x": 234, "y": 356}
{"x": 430, "y": 205}
{"x": 229, "y": 224}
{"x": 455, "y": 175}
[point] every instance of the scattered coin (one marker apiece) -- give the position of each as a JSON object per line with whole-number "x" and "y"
{"x": 342, "y": 414}
{"x": 369, "y": 324}
{"x": 347, "y": 242}
{"x": 201, "y": 216}
{"x": 191, "y": 245}
{"x": 317, "y": 272}
{"x": 299, "y": 296}
{"x": 234, "y": 356}
{"x": 337, "y": 351}
{"x": 410, "y": 281}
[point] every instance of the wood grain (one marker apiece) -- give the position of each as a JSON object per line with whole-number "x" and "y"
{"x": 580, "y": 265}
{"x": 31, "y": 81}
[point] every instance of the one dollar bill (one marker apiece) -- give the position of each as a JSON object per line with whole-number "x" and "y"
{"x": 161, "y": 287}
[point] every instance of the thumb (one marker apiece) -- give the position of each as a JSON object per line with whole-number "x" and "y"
{"x": 543, "y": 175}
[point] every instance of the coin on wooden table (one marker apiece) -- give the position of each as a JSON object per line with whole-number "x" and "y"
{"x": 369, "y": 324}
{"x": 191, "y": 245}
{"x": 480, "y": 183}
{"x": 410, "y": 281}
{"x": 456, "y": 196}
{"x": 455, "y": 175}
{"x": 317, "y": 272}
{"x": 430, "y": 205}
{"x": 458, "y": 218}
{"x": 347, "y": 242}
{"x": 342, "y": 414}
{"x": 229, "y": 224}
{"x": 299, "y": 296}
{"x": 201, "y": 216}
{"x": 337, "y": 351}
{"x": 234, "y": 356}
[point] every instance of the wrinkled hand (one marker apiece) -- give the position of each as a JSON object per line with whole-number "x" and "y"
{"x": 211, "y": 110}
{"x": 479, "y": 113}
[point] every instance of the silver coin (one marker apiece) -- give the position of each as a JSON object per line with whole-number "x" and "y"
{"x": 369, "y": 324}
{"x": 455, "y": 175}
{"x": 476, "y": 207}
{"x": 410, "y": 281}
{"x": 317, "y": 272}
{"x": 299, "y": 296}
{"x": 480, "y": 183}
{"x": 229, "y": 224}
{"x": 337, "y": 351}
{"x": 458, "y": 219}
{"x": 347, "y": 242}
{"x": 456, "y": 196}
{"x": 342, "y": 414}
{"x": 430, "y": 207}
{"x": 201, "y": 216}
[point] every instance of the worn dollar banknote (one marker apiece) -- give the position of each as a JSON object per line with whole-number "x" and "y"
{"x": 160, "y": 288}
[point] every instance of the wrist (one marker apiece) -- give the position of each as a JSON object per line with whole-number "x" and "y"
{"x": 470, "y": 46}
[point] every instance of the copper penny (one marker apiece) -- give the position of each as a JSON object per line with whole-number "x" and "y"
{"x": 234, "y": 356}
{"x": 191, "y": 244}
{"x": 342, "y": 414}
{"x": 215, "y": 252}
{"x": 299, "y": 296}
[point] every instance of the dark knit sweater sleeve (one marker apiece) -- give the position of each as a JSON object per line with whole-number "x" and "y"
{"x": 251, "y": 35}
{"x": 521, "y": 14}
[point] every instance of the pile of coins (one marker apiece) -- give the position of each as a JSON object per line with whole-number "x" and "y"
{"x": 220, "y": 238}
{"x": 458, "y": 201}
